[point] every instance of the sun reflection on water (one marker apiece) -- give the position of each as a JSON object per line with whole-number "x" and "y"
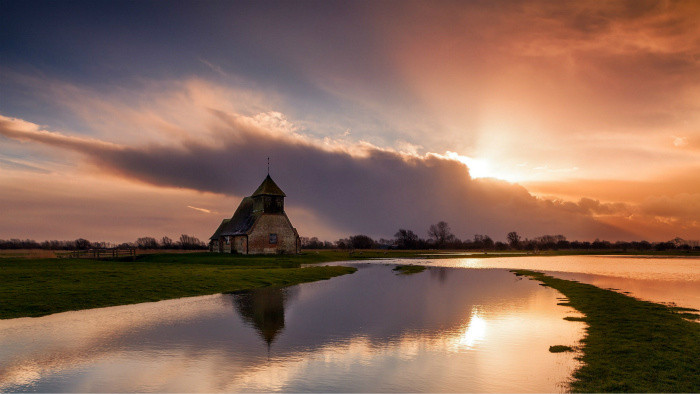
{"x": 472, "y": 333}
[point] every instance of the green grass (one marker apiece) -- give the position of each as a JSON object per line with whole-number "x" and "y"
{"x": 409, "y": 269}
{"x": 36, "y": 287}
{"x": 630, "y": 345}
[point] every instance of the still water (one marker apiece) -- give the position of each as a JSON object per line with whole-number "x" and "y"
{"x": 670, "y": 280}
{"x": 444, "y": 329}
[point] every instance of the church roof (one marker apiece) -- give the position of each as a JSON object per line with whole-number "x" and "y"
{"x": 241, "y": 221}
{"x": 269, "y": 187}
{"x": 219, "y": 229}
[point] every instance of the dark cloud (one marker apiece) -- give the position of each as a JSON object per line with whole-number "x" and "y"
{"x": 373, "y": 191}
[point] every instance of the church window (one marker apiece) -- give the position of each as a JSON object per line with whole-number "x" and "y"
{"x": 273, "y": 238}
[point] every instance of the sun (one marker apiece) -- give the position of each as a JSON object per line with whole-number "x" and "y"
{"x": 482, "y": 168}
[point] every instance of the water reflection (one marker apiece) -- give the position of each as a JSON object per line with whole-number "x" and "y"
{"x": 474, "y": 331}
{"x": 440, "y": 330}
{"x": 665, "y": 279}
{"x": 440, "y": 273}
{"x": 263, "y": 309}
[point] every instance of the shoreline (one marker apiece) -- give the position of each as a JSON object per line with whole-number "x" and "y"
{"x": 34, "y": 287}
{"x": 630, "y": 345}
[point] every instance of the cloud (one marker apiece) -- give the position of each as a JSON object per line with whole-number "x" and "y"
{"x": 691, "y": 143}
{"x": 683, "y": 206}
{"x": 549, "y": 75}
{"x": 204, "y": 210}
{"x": 596, "y": 207}
{"x": 21, "y": 130}
{"x": 21, "y": 165}
{"x": 682, "y": 180}
{"x": 355, "y": 188}
{"x": 350, "y": 99}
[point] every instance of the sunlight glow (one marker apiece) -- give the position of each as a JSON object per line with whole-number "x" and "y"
{"x": 474, "y": 332}
{"x": 481, "y": 168}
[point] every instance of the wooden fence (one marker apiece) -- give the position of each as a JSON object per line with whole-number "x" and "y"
{"x": 101, "y": 253}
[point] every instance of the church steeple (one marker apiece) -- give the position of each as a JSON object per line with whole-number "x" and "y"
{"x": 269, "y": 198}
{"x": 269, "y": 187}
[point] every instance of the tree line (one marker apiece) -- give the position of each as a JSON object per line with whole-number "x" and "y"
{"x": 186, "y": 242}
{"x": 440, "y": 236}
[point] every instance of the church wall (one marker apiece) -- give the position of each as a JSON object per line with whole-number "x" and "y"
{"x": 259, "y": 237}
{"x": 240, "y": 244}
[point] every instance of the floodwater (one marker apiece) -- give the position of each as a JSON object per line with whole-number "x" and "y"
{"x": 670, "y": 280}
{"x": 444, "y": 329}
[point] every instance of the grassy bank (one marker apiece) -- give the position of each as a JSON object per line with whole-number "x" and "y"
{"x": 630, "y": 345}
{"x": 36, "y": 287}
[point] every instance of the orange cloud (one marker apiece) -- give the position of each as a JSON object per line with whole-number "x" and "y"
{"x": 336, "y": 186}
{"x": 375, "y": 192}
{"x": 589, "y": 85}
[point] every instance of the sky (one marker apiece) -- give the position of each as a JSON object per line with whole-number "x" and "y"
{"x": 123, "y": 119}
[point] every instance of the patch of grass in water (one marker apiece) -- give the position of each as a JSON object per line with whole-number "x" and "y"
{"x": 409, "y": 269}
{"x": 630, "y": 345}
{"x": 560, "y": 349}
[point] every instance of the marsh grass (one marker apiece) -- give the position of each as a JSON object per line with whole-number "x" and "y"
{"x": 630, "y": 345}
{"x": 409, "y": 269}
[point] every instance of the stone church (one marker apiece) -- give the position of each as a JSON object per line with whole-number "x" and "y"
{"x": 259, "y": 225}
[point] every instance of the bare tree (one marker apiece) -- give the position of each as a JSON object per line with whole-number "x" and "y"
{"x": 311, "y": 243}
{"x": 82, "y": 244}
{"x": 190, "y": 242}
{"x": 406, "y": 239}
{"x": 166, "y": 243}
{"x": 361, "y": 241}
{"x": 441, "y": 233}
{"x": 513, "y": 239}
{"x": 146, "y": 243}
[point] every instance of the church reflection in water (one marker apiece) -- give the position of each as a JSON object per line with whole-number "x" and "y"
{"x": 264, "y": 309}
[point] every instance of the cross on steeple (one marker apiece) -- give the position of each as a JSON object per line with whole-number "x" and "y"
{"x": 268, "y": 165}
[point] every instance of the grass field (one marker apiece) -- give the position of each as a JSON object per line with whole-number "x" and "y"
{"x": 36, "y": 287}
{"x": 630, "y": 345}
